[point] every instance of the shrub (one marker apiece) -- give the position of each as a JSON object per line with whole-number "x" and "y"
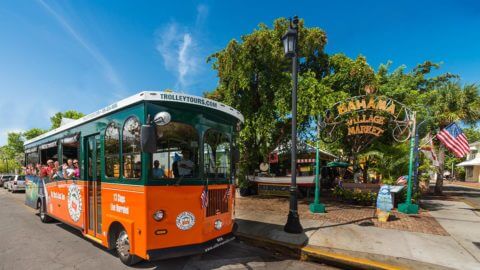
{"x": 356, "y": 196}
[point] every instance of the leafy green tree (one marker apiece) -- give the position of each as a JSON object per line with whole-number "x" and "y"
{"x": 453, "y": 102}
{"x": 57, "y": 118}
{"x": 12, "y": 153}
{"x": 33, "y": 132}
{"x": 440, "y": 100}
{"x": 472, "y": 134}
{"x": 15, "y": 142}
{"x": 255, "y": 79}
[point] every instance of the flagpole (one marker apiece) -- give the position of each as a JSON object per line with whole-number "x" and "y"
{"x": 407, "y": 207}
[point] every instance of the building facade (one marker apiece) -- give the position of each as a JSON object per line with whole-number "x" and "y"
{"x": 472, "y": 163}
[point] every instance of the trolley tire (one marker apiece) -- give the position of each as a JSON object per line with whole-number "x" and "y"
{"x": 41, "y": 212}
{"x": 122, "y": 247}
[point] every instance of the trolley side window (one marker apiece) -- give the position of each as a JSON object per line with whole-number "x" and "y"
{"x": 48, "y": 151}
{"x": 112, "y": 151}
{"x": 132, "y": 164}
{"x": 177, "y": 152}
{"x": 70, "y": 149}
{"x": 217, "y": 155}
{"x": 32, "y": 159}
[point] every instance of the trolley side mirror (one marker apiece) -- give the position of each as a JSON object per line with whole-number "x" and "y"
{"x": 148, "y": 139}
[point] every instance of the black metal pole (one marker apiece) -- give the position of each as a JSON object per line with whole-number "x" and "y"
{"x": 293, "y": 221}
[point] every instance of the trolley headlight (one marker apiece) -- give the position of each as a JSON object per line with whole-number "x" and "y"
{"x": 158, "y": 215}
{"x": 218, "y": 224}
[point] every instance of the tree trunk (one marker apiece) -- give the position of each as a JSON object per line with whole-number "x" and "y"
{"x": 365, "y": 171}
{"x": 441, "y": 167}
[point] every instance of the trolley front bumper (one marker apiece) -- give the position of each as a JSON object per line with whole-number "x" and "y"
{"x": 164, "y": 253}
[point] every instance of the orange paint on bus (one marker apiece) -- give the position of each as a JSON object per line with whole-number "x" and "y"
{"x": 134, "y": 206}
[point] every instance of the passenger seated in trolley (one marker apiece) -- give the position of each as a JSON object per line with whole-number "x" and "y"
{"x": 157, "y": 171}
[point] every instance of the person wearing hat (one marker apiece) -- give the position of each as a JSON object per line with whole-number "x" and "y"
{"x": 47, "y": 171}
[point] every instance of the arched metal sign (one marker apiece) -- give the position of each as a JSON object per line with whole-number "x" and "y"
{"x": 363, "y": 118}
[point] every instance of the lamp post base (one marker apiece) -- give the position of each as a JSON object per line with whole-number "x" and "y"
{"x": 293, "y": 224}
{"x": 317, "y": 208}
{"x": 408, "y": 208}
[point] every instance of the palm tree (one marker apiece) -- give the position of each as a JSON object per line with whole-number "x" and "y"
{"x": 453, "y": 102}
{"x": 390, "y": 161}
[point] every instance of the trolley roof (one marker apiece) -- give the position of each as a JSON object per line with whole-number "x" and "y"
{"x": 145, "y": 96}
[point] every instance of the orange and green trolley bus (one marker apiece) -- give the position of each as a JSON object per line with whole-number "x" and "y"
{"x": 155, "y": 175}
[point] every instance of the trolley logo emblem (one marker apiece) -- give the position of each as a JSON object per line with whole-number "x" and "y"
{"x": 185, "y": 221}
{"x": 74, "y": 202}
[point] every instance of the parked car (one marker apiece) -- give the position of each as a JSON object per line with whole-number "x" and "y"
{"x": 17, "y": 183}
{"x": 4, "y": 180}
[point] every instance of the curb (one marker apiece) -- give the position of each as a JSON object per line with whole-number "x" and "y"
{"x": 333, "y": 257}
{"x": 345, "y": 260}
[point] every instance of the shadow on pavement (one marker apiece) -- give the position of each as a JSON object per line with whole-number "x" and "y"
{"x": 231, "y": 253}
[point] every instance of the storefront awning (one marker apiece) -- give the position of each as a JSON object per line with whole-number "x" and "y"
{"x": 338, "y": 164}
{"x": 472, "y": 162}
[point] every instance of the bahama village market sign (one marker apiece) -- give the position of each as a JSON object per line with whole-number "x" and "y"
{"x": 367, "y": 114}
{"x": 364, "y": 118}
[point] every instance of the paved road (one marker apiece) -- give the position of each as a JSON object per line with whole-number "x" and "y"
{"x": 26, "y": 243}
{"x": 469, "y": 195}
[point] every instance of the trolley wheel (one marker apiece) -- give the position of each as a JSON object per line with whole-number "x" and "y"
{"x": 41, "y": 212}
{"x": 122, "y": 246}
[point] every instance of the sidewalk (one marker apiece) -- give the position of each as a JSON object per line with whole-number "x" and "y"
{"x": 375, "y": 247}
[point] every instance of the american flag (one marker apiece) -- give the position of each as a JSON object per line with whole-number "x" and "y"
{"x": 454, "y": 139}
{"x": 402, "y": 180}
{"x": 204, "y": 197}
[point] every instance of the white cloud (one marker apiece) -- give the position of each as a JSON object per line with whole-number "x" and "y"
{"x": 108, "y": 70}
{"x": 32, "y": 113}
{"x": 202, "y": 14}
{"x": 180, "y": 51}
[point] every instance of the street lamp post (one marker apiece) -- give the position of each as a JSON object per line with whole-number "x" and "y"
{"x": 290, "y": 40}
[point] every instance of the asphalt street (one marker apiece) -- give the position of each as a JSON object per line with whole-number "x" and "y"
{"x": 26, "y": 243}
{"x": 469, "y": 195}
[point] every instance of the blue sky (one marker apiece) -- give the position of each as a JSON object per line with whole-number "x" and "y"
{"x": 84, "y": 55}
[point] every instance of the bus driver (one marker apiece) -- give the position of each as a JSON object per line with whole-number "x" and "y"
{"x": 185, "y": 165}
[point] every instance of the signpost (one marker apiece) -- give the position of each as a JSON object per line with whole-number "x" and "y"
{"x": 316, "y": 206}
{"x": 408, "y": 207}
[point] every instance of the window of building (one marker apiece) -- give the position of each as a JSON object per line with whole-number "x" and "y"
{"x": 132, "y": 164}
{"x": 112, "y": 151}
{"x": 177, "y": 152}
{"x": 217, "y": 155}
{"x": 473, "y": 154}
{"x": 469, "y": 170}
